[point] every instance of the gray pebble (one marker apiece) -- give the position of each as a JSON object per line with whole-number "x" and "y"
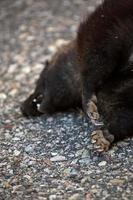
{"x": 58, "y": 158}
{"x": 52, "y": 197}
{"x": 16, "y": 152}
{"x": 75, "y": 197}
{"x": 29, "y": 148}
{"x": 103, "y": 163}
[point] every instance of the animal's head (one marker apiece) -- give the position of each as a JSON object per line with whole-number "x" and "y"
{"x": 30, "y": 107}
{"x": 58, "y": 86}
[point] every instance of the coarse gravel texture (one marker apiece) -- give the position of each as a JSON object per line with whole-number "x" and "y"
{"x": 49, "y": 157}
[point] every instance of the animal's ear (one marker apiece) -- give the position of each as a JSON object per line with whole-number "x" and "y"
{"x": 40, "y": 83}
{"x": 46, "y": 63}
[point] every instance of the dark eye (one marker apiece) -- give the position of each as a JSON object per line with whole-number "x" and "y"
{"x": 34, "y": 103}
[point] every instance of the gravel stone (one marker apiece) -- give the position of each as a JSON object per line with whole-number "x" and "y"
{"x": 58, "y": 158}
{"x": 16, "y": 152}
{"x": 3, "y": 96}
{"x": 101, "y": 164}
{"x": 52, "y": 197}
{"x": 117, "y": 182}
{"x": 29, "y": 148}
{"x": 75, "y": 197}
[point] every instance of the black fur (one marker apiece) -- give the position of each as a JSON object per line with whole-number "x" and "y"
{"x": 104, "y": 48}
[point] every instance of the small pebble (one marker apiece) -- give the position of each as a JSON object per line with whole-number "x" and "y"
{"x": 17, "y": 153}
{"x": 50, "y": 119}
{"x": 16, "y": 139}
{"x": 73, "y": 173}
{"x": 28, "y": 178}
{"x": 58, "y": 158}
{"x": 103, "y": 163}
{"x": 75, "y": 197}
{"x": 8, "y": 136}
{"x": 52, "y": 197}
{"x": 117, "y": 181}
{"x": 3, "y": 164}
{"x": 3, "y": 96}
{"x": 84, "y": 181}
{"x": 29, "y": 148}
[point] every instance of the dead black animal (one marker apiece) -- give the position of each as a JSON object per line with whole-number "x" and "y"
{"x": 103, "y": 51}
{"x": 111, "y": 99}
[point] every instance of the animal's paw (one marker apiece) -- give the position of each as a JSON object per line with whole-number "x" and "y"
{"x": 103, "y": 139}
{"x": 92, "y": 111}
